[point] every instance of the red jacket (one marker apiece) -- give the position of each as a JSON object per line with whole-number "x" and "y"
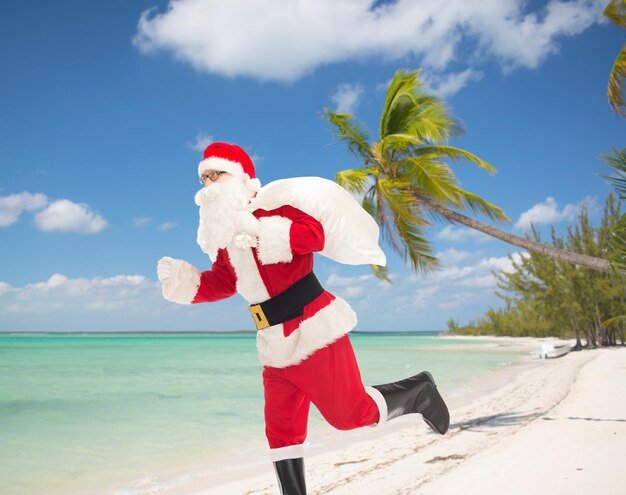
{"x": 284, "y": 254}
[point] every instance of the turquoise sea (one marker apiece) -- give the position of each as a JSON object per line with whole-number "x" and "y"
{"x": 132, "y": 414}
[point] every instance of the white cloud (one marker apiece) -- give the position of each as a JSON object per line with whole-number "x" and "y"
{"x": 458, "y": 300}
{"x": 61, "y": 215}
{"x": 503, "y": 263}
{"x": 335, "y": 280}
{"x": 227, "y": 38}
{"x": 347, "y": 98}
{"x": 60, "y": 294}
{"x": 460, "y": 234}
{"x": 141, "y": 221}
{"x": 424, "y": 295}
{"x": 430, "y": 289}
{"x": 144, "y": 221}
{"x": 121, "y": 302}
{"x": 447, "y": 85}
{"x": 478, "y": 275}
{"x": 201, "y": 142}
{"x": 13, "y": 205}
{"x": 480, "y": 281}
{"x": 356, "y": 289}
{"x": 351, "y": 292}
{"x": 384, "y": 86}
{"x": 168, "y": 225}
{"x": 463, "y": 290}
{"x": 135, "y": 302}
{"x": 452, "y": 256}
{"x": 54, "y": 281}
{"x": 64, "y": 215}
{"x": 452, "y": 273}
{"x": 548, "y": 212}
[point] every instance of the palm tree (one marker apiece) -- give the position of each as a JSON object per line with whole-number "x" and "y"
{"x": 616, "y": 12}
{"x": 405, "y": 181}
{"x": 617, "y": 242}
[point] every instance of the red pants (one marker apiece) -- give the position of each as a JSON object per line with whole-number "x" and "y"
{"x": 329, "y": 378}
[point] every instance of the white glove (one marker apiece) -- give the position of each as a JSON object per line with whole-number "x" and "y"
{"x": 247, "y": 222}
{"x": 179, "y": 280}
{"x": 244, "y": 241}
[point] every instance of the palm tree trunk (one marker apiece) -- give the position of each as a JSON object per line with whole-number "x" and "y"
{"x": 589, "y": 338}
{"x": 574, "y": 326}
{"x": 592, "y": 262}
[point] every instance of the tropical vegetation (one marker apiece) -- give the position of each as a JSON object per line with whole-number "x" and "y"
{"x": 544, "y": 297}
{"x": 617, "y": 238}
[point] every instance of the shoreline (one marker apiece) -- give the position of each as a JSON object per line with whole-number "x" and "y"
{"x": 403, "y": 457}
{"x": 195, "y": 454}
{"x": 82, "y": 333}
{"x": 253, "y": 465}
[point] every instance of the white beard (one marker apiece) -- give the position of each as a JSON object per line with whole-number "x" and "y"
{"x": 218, "y": 205}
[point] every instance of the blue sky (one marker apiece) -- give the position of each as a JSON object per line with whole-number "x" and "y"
{"x": 105, "y": 108}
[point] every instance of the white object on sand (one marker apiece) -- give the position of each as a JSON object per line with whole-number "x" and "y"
{"x": 551, "y": 350}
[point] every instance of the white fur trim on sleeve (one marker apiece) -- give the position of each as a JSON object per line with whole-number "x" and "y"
{"x": 182, "y": 286}
{"x": 274, "y": 245}
{"x": 380, "y": 403}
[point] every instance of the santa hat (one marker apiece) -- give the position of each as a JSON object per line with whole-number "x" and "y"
{"x": 232, "y": 159}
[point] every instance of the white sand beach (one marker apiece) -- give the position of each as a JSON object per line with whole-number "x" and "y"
{"x": 558, "y": 426}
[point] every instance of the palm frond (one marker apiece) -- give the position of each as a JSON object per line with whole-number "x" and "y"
{"x": 616, "y": 12}
{"x": 431, "y": 177}
{"x": 399, "y": 116}
{"x": 617, "y": 161}
{"x": 384, "y": 220}
{"x": 409, "y": 110}
{"x": 479, "y": 205}
{"x": 381, "y": 272}
{"x": 617, "y": 239}
{"x": 400, "y": 141}
{"x": 432, "y": 121}
{"x": 617, "y": 245}
{"x": 355, "y": 180}
{"x": 617, "y": 82}
{"x": 407, "y": 225}
{"x": 350, "y": 132}
{"x": 399, "y": 102}
{"x": 615, "y": 320}
{"x": 369, "y": 202}
{"x": 454, "y": 154}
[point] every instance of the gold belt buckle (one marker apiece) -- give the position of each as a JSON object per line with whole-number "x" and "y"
{"x": 259, "y": 317}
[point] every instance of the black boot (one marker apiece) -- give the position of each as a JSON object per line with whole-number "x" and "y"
{"x": 290, "y": 474}
{"x": 417, "y": 394}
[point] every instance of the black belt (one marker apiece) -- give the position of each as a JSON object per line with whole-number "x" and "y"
{"x": 288, "y": 304}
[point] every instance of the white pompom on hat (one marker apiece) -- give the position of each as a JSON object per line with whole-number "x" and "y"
{"x": 232, "y": 159}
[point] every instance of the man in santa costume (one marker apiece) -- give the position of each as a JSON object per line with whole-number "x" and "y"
{"x": 261, "y": 242}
